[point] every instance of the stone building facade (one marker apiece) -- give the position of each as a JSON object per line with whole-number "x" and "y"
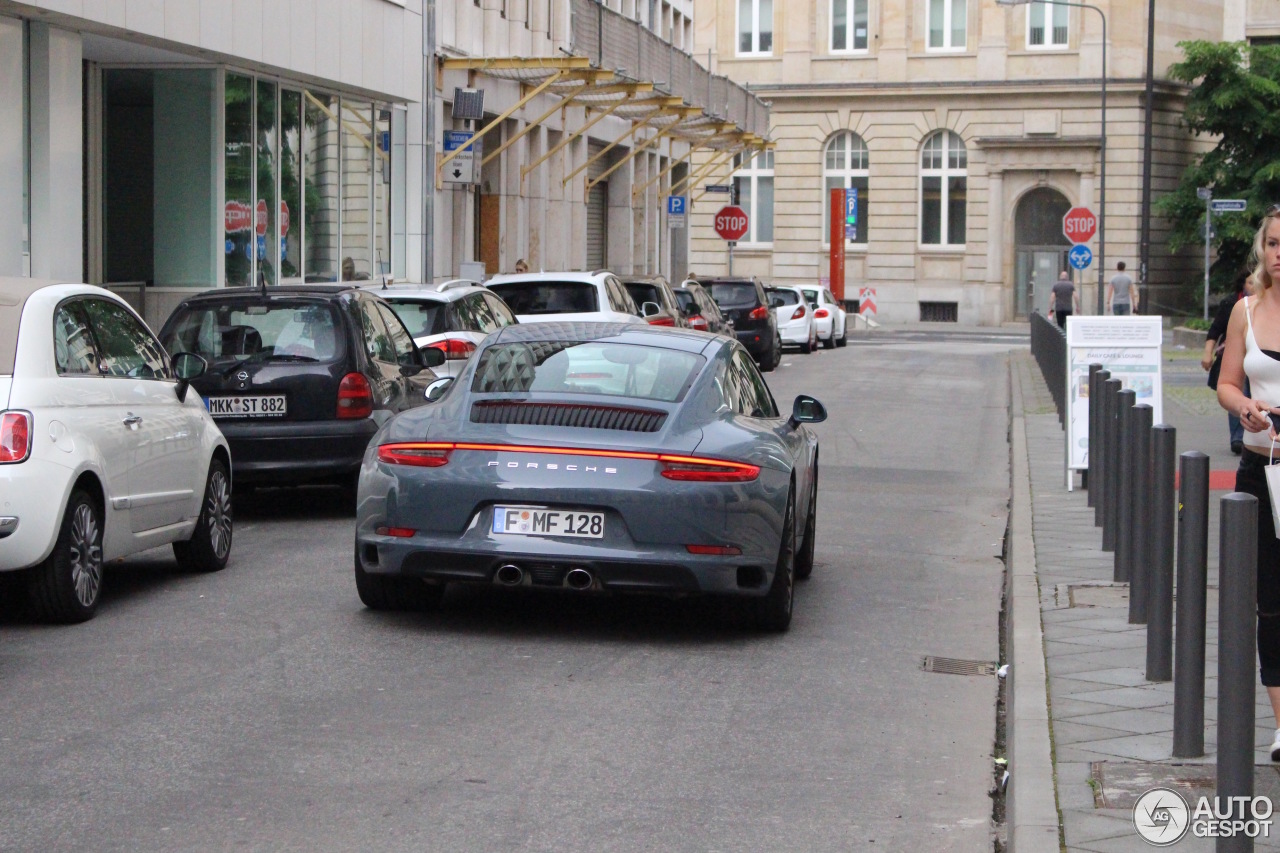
{"x": 968, "y": 128}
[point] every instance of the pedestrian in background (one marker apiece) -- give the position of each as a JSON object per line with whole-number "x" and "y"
{"x": 521, "y": 266}
{"x": 1252, "y": 352}
{"x": 1120, "y": 292}
{"x": 1063, "y": 300}
{"x": 1215, "y": 341}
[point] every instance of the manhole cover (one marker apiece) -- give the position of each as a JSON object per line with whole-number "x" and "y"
{"x": 957, "y": 666}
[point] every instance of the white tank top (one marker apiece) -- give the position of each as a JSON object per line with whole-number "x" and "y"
{"x": 1264, "y": 380}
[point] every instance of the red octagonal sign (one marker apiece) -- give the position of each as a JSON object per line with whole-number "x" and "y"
{"x": 731, "y": 222}
{"x": 1079, "y": 225}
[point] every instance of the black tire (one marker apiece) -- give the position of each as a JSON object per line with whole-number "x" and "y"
{"x": 209, "y": 547}
{"x": 66, "y": 587}
{"x": 769, "y": 361}
{"x": 773, "y": 611}
{"x": 806, "y": 348}
{"x": 844, "y": 334}
{"x": 830, "y": 342}
{"x": 396, "y": 593}
{"x": 804, "y": 560}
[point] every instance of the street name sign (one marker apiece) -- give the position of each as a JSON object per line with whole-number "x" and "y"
{"x": 718, "y": 188}
{"x": 731, "y": 223}
{"x": 1079, "y": 225}
{"x": 1228, "y": 205}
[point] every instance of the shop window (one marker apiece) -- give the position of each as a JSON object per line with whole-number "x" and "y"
{"x": 943, "y": 190}
{"x": 753, "y": 183}
{"x": 290, "y": 222}
{"x": 238, "y": 169}
{"x": 321, "y": 171}
{"x": 845, "y": 166}
{"x": 266, "y": 213}
{"x": 358, "y": 261}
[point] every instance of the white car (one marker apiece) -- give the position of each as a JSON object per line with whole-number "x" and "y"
{"x": 453, "y": 317}
{"x": 796, "y": 325}
{"x": 828, "y": 315}
{"x": 103, "y": 451}
{"x": 542, "y": 297}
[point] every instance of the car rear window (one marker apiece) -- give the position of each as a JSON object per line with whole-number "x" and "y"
{"x": 811, "y": 296}
{"x": 279, "y": 330}
{"x": 548, "y": 297}
{"x": 788, "y": 297}
{"x": 734, "y": 294}
{"x": 643, "y": 293}
{"x": 421, "y": 316}
{"x": 587, "y": 367}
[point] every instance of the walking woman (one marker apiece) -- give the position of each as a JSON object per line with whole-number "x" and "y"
{"x": 1252, "y": 352}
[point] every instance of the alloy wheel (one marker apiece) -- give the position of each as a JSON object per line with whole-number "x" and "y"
{"x": 85, "y": 553}
{"x": 217, "y": 509}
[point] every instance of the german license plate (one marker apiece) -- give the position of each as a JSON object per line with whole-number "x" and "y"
{"x": 269, "y": 406}
{"x": 540, "y": 521}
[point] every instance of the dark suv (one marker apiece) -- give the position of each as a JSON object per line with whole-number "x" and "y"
{"x": 743, "y": 301}
{"x": 300, "y": 377}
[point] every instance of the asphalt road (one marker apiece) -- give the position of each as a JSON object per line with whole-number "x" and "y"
{"x": 262, "y": 708}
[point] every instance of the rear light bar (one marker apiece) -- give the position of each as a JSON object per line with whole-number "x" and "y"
{"x": 355, "y": 397}
{"x": 398, "y": 532}
{"x": 15, "y": 437}
{"x": 820, "y": 313}
{"x": 662, "y": 321}
{"x": 454, "y": 349}
{"x": 759, "y": 312}
{"x": 714, "y": 550}
{"x": 702, "y": 469}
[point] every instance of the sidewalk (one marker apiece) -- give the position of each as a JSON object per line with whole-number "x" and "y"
{"x": 1110, "y": 730}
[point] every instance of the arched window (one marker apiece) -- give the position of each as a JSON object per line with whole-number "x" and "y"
{"x": 943, "y": 189}
{"x": 753, "y": 182}
{"x": 845, "y": 165}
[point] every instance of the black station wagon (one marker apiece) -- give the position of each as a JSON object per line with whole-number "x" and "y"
{"x": 300, "y": 377}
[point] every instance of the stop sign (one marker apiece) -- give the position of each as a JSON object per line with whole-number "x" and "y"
{"x": 1079, "y": 225}
{"x": 731, "y": 222}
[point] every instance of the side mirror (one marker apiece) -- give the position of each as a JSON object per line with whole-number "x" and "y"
{"x": 648, "y": 309}
{"x": 187, "y": 366}
{"x": 806, "y": 410}
{"x": 431, "y": 357}
{"x": 436, "y": 389}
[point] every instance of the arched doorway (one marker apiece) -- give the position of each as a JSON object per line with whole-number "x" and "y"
{"x": 1041, "y": 250}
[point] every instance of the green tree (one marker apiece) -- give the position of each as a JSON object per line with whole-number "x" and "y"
{"x": 1235, "y": 96}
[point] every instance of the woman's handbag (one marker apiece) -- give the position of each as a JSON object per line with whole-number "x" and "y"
{"x": 1273, "y": 488}
{"x": 1216, "y": 367}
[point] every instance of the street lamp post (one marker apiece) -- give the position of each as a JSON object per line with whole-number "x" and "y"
{"x": 1102, "y": 192}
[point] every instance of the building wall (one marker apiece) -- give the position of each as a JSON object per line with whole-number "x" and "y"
{"x": 1028, "y": 117}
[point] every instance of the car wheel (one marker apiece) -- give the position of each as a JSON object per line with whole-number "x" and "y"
{"x": 773, "y": 611}
{"x": 844, "y": 334}
{"x": 829, "y": 342}
{"x": 67, "y": 585}
{"x": 770, "y": 360}
{"x": 804, "y": 560}
{"x": 395, "y": 592}
{"x": 806, "y": 348}
{"x": 210, "y": 544}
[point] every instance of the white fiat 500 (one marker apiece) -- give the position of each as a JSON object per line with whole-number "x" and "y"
{"x": 104, "y": 451}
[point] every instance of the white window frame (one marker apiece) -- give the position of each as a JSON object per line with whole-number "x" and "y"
{"x": 755, "y": 29}
{"x": 848, "y": 171}
{"x": 948, "y": 9}
{"x": 760, "y": 165}
{"x": 1050, "y": 30}
{"x": 850, "y": 33}
{"x": 950, "y": 141}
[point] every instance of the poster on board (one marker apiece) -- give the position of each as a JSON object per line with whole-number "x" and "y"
{"x": 1129, "y": 347}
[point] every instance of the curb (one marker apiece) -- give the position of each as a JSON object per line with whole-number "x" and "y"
{"x": 1032, "y": 819}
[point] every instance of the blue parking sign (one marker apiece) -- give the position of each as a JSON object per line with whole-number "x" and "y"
{"x": 675, "y": 205}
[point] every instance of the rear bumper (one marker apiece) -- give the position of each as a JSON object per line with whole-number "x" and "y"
{"x": 795, "y": 334}
{"x": 31, "y": 508}
{"x": 297, "y": 452}
{"x": 757, "y": 341}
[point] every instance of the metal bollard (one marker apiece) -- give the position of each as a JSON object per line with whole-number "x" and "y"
{"x": 1140, "y": 515}
{"x": 1193, "y": 573}
{"x": 1111, "y": 430}
{"x": 1122, "y": 453}
{"x": 1104, "y": 437}
{"x": 1159, "y": 553}
{"x": 1091, "y": 475}
{"x": 1237, "y": 624}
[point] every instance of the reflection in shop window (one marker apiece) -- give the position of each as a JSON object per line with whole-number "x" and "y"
{"x": 265, "y": 213}
{"x": 382, "y": 192}
{"x": 358, "y": 261}
{"x": 238, "y": 164}
{"x": 321, "y": 168}
{"x": 290, "y": 184}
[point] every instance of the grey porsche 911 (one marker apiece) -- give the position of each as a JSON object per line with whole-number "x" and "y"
{"x": 594, "y": 457}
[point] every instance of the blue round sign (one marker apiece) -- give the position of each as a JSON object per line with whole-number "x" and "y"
{"x": 1080, "y": 256}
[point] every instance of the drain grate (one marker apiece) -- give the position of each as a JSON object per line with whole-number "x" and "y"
{"x": 957, "y": 666}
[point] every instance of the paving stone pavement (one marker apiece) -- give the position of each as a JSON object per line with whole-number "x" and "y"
{"x": 1108, "y": 722}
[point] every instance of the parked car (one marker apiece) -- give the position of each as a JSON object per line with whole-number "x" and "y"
{"x": 743, "y": 301}
{"x": 453, "y": 317}
{"x": 655, "y": 294}
{"x": 104, "y": 451}
{"x": 795, "y": 319}
{"x": 828, "y": 315}
{"x": 595, "y": 457}
{"x": 541, "y": 297}
{"x": 701, "y": 311}
{"x": 300, "y": 376}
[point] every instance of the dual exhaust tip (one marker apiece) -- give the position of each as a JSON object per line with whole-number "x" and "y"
{"x": 512, "y": 575}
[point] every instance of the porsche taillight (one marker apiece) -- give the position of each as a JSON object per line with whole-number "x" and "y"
{"x": 355, "y": 397}
{"x": 15, "y": 437}
{"x": 419, "y": 454}
{"x": 699, "y": 470}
